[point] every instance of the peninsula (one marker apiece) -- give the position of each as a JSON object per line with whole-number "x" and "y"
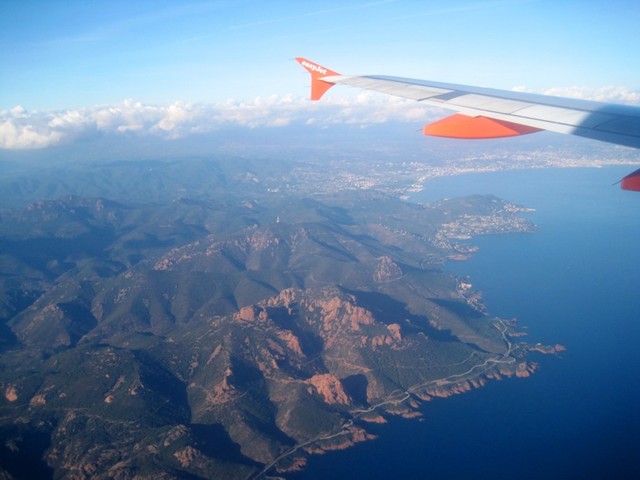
{"x": 233, "y": 333}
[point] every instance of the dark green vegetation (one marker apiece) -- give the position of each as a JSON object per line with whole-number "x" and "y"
{"x": 201, "y": 319}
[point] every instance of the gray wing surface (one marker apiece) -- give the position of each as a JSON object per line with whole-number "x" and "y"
{"x": 618, "y": 124}
{"x": 491, "y": 113}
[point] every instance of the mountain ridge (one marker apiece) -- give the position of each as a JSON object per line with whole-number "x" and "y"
{"x": 203, "y": 338}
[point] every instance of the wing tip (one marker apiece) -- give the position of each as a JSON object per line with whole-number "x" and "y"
{"x": 318, "y": 86}
{"x": 631, "y": 182}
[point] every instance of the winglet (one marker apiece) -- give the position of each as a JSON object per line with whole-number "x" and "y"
{"x": 318, "y": 85}
{"x": 631, "y": 181}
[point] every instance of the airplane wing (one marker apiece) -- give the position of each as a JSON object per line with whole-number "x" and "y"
{"x": 491, "y": 113}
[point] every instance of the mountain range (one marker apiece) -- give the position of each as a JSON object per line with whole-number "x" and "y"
{"x": 185, "y": 332}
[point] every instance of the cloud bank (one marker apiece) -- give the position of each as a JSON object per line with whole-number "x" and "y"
{"x": 608, "y": 94}
{"x": 22, "y": 129}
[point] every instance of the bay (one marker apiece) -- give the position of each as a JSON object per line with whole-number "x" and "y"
{"x": 576, "y": 282}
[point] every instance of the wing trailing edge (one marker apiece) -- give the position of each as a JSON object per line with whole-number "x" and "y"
{"x": 491, "y": 113}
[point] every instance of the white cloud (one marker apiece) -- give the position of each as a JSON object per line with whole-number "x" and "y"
{"x": 14, "y": 136}
{"x": 23, "y": 129}
{"x": 602, "y": 94}
{"x": 608, "y": 94}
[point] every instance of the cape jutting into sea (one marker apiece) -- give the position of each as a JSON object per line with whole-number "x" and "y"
{"x": 575, "y": 282}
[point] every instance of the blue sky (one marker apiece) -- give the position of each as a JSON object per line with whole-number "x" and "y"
{"x": 68, "y": 54}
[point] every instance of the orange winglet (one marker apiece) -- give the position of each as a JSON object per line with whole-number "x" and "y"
{"x": 463, "y": 126}
{"x": 318, "y": 86}
{"x": 631, "y": 181}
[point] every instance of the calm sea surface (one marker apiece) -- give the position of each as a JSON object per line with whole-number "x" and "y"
{"x": 575, "y": 282}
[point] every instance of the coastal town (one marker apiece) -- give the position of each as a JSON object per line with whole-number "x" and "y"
{"x": 404, "y": 177}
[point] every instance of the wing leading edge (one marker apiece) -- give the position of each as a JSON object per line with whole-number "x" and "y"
{"x": 491, "y": 113}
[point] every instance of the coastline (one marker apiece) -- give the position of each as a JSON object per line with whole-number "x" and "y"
{"x": 408, "y": 403}
{"x": 553, "y": 424}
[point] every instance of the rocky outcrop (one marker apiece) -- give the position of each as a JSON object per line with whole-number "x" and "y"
{"x": 387, "y": 270}
{"x": 337, "y": 310}
{"x": 11, "y": 393}
{"x": 285, "y": 298}
{"x": 330, "y": 389}
{"x": 351, "y": 436}
{"x": 251, "y": 313}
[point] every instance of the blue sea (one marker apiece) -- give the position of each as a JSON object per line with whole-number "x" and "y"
{"x": 576, "y": 282}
